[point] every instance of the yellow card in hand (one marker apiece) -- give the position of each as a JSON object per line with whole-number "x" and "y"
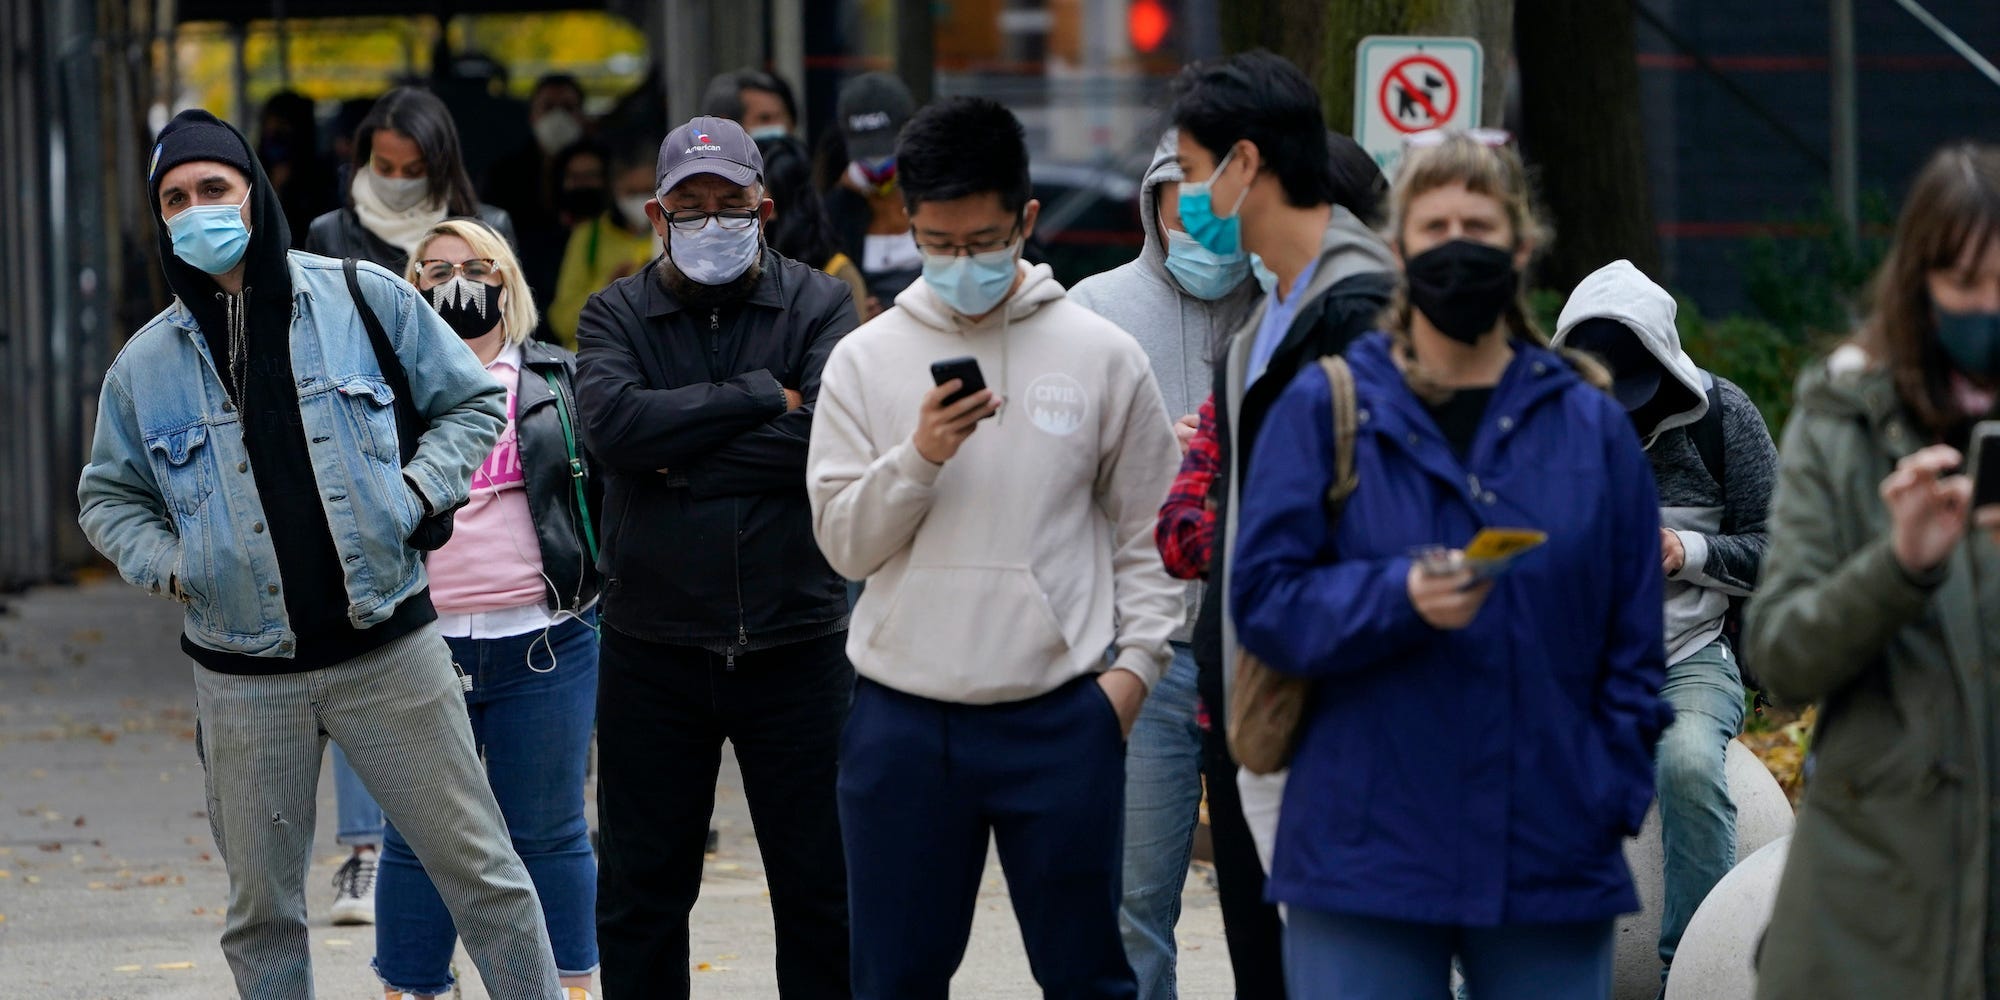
{"x": 1493, "y": 549}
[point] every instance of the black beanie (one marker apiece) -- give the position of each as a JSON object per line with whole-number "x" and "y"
{"x": 194, "y": 135}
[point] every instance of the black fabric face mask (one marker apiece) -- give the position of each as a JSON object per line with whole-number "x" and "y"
{"x": 584, "y": 202}
{"x": 1462, "y": 287}
{"x": 470, "y": 308}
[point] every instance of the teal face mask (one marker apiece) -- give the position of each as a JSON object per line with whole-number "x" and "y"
{"x": 972, "y": 285}
{"x": 210, "y": 237}
{"x": 1971, "y": 340}
{"x": 1202, "y": 272}
{"x": 1222, "y": 236}
{"x": 766, "y": 133}
{"x": 1267, "y": 279}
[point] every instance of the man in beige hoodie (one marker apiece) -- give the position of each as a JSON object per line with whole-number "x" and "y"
{"x": 1007, "y": 543}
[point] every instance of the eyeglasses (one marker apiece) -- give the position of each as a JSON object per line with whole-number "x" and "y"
{"x": 440, "y": 271}
{"x": 971, "y": 249}
{"x": 690, "y": 220}
{"x": 1491, "y": 137}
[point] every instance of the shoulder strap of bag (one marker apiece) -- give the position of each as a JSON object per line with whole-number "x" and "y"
{"x": 1346, "y": 424}
{"x": 409, "y": 427}
{"x": 576, "y": 471}
{"x": 1708, "y": 434}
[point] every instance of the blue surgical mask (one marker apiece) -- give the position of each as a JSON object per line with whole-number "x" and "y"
{"x": 974, "y": 284}
{"x": 1267, "y": 279}
{"x": 1219, "y": 235}
{"x": 1202, "y": 272}
{"x": 210, "y": 237}
{"x": 765, "y": 133}
{"x": 713, "y": 255}
{"x": 1971, "y": 340}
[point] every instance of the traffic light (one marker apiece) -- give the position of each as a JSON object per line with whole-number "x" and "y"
{"x": 1147, "y": 22}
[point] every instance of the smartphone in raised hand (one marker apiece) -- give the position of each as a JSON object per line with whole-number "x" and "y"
{"x": 965, "y": 369}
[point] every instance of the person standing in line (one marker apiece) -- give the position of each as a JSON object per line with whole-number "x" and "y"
{"x": 614, "y": 244}
{"x": 246, "y": 464}
{"x": 1181, "y": 302}
{"x": 514, "y": 589}
{"x": 1260, "y": 178}
{"x": 1715, "y": 466}
{"x": 1880, "y": 604}
{"x": 1005, "y": 551}
{"x": 871, "y": 218}
{"x": 699, "y": 377}
{"x": 1548, "y": 672}
{"x": 760, "y": 102}
{"x": 408, "y": 176}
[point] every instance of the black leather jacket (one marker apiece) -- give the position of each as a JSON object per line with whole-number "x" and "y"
{"x": 717, "y": 550}
{"x": 339, "y": 233}
{"x": 551, "y": 490}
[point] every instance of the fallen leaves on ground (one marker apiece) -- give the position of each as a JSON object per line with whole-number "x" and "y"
{"x": 1780, "y": 739}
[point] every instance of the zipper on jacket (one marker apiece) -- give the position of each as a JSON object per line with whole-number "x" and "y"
{"x": 714, "y": 337}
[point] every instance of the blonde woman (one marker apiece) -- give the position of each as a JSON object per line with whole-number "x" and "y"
{"x": 1498, "y": 841}
{"x": 514, "y": 590}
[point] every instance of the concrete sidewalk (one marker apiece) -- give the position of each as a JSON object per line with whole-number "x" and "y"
{"x": 109, "y": 884}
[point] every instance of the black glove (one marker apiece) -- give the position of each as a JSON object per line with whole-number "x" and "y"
{"x": 433, "y": 529}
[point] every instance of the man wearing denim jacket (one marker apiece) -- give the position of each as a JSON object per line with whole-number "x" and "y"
{"x": 246, "y": 464}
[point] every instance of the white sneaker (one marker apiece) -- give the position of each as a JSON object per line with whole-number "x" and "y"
{"x": 355, "y": 885}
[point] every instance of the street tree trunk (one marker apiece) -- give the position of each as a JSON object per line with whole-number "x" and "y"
{"x": 1322, "y": 39}
{"x": 1580, "y": 124}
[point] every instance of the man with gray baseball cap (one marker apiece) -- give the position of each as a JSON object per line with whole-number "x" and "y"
{"x": 866, "y": 207}
{"x": 696, "y": 383}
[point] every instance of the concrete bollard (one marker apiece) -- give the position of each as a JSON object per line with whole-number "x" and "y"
{"x": 1762, "y": 816}
{"x": 1714, "y": 958}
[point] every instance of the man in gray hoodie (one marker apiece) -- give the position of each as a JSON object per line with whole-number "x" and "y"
{"x": 1715, "y": 467}
{"x": 1181, "y": 302}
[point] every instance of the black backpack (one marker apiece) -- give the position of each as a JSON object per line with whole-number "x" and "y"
{"x": 1707, "y": 435}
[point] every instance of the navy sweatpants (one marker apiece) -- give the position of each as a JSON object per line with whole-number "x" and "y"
{"x": 922, "y": 786}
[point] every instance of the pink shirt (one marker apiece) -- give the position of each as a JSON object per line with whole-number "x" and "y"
{"x": 493, "y": 561}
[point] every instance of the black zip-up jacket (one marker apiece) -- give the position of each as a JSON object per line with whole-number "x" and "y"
{"x": 339, "y": 233}
{"x": 1326, "y": 325}
{"x": 717, "y": 550}
{"x": 573, "y": 582}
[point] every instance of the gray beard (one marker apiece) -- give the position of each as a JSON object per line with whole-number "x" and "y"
{"x": 695, "y": 295}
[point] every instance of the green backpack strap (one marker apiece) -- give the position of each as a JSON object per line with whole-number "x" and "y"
{"x": 576, "y": 471}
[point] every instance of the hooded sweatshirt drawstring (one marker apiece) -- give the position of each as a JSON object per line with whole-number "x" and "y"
{"x": 235, "y": 308}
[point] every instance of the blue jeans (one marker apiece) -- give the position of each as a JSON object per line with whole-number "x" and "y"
{"x": 532, "y": 704}
{"x": 1332, "y": 956}
{"x": 1162, "y": 807}
{"x": 1697, "y": 818}
{"x": 360, "y": 818}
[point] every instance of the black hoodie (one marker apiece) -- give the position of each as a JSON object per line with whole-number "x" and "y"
{"x": 274, "y": 435}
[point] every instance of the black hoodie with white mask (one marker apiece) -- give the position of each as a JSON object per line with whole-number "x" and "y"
{"x": 1720, "y": 525}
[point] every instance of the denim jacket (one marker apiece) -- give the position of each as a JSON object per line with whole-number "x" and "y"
{"x": 168, "y": 491}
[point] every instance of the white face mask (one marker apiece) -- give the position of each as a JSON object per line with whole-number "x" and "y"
{"x": 633, "y": 209}
{"x": 399, "y": 194}
{"x": 556, "y": 129}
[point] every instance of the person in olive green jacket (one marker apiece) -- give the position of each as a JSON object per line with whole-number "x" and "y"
{"x": 1882, "y": 608}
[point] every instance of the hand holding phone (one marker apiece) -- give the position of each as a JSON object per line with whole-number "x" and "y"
{"x": 952, "y": 411}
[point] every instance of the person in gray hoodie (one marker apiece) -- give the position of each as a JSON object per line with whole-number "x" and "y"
{"x": 1180, "y": 302}
{"x": 1715, "y": 467}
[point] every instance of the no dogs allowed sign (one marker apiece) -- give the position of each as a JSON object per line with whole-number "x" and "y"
{"x": 1406, "y": 84}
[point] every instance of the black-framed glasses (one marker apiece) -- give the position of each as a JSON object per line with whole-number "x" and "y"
{"x": 441, "y": 271}
{"x": 970, "y": 249}
{"x": 690, "y": 220}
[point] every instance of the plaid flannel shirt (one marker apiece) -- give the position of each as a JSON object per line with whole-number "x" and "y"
{"x": 1186, "y": 529}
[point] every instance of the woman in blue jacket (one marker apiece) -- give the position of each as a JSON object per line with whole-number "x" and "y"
{"x": 1473, "y": 752}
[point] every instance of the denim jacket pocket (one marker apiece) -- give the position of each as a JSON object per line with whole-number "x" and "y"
{"x": 374, "y": 415}
{"x": 181, "y": 461}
